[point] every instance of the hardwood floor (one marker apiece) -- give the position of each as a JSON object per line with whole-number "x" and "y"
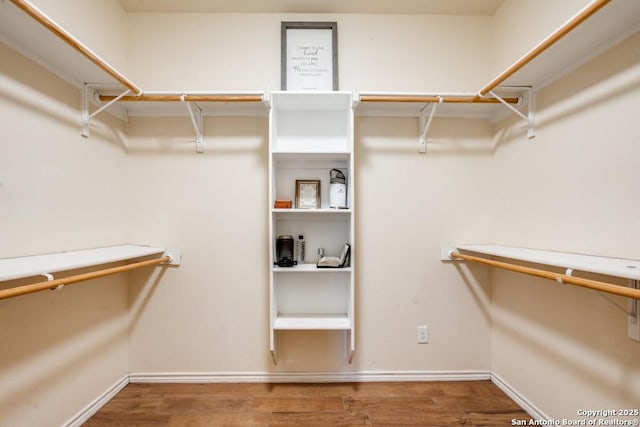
{"x": 466, "y": 403}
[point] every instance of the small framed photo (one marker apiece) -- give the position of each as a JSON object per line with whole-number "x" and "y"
{"x": 307, "y": 194}
{"x": 309, "y": 56}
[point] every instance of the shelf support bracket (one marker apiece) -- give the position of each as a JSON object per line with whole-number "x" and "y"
{"x": 529, "y": 118}
{"x": 425, "y": 125}
{"x": 198, "y": 123}
{"x": 266, "y": 98}
{"x": 355, "y": 99}
{"x": 87, "y": 92}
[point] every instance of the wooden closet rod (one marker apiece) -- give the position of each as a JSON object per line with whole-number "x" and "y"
{"x": 562, "y": 278}
{"x": 434, "y": 99}
{"x": 52, "y": 284}
{"x": 177, "y": 98}
{"x": 568, "y": 26}
{"x": 56, "y": 29}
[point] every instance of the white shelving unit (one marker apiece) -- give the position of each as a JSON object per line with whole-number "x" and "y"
{"x": 29, "y": 266}
{"x": 310, "y": 134}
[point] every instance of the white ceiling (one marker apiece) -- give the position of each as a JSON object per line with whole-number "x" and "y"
{"x": 431, "y": 7}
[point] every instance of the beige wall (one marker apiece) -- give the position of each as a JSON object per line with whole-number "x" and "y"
{"x": 58, "y": 192}
{"x": 376, "y": 52}
{"x": 408, "y": 206}
{"x": 571, "y": 189}
{"x": 213, "y": 311}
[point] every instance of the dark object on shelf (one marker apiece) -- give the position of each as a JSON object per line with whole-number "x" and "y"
{"x": 284, "y": 251}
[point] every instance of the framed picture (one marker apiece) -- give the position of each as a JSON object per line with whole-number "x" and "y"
{"x": 307, "y": 194}
{"x": 309, "y": 56}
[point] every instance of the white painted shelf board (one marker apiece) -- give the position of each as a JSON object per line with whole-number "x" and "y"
{"x": 486, "y": 111}
{"x": 337, "y": 154}
{"x": 612, "y": 24}
{"x": 415, "y": 109}
{"x": 16, "y": 268}
{"x": 210, "y": 109}
{"x": 310, "y": 268}
{"x": 618, "y": 267}
{"x": 309, "y": 160}
{"x": 312, "y": 322}
{"x": 298, "y": 102}
{"x": 24, "y": 34}
{"x": 323, "y": 211}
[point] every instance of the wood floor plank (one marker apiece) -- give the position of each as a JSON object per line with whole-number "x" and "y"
{"x": 383, "y": 403}
{"x": 298, "y": 389}
{"x": 184, "y": 404}
{"x": 220, "y": 419}
{"x": 312, "y": 419}
{"x": 298, "y": 404}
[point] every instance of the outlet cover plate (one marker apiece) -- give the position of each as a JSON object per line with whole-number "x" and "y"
{"x": 423, "y": 334}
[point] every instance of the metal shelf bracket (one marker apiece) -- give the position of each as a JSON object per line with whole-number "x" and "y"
{"x": 425, "y": 124}
{"x": 198, "y": 123}
{"x": 85, "y": 116}
{"x": 529, "y": 118}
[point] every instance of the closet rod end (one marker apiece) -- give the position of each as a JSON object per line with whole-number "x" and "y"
{"x": 445, "y": 253}
{"x": 175, "y": 256}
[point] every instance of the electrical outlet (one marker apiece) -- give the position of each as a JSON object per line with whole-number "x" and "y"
{"x": 423, "y": 334}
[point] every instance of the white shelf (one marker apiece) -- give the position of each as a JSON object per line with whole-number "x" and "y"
{"x": 25, "y": 35}
{"x": 328, "y": 211}
{"x": 618, "y": 267}
{"x": 416, "y": 109}
{"x": 20, "y": 267}
{"x": 310, "y": 268}
{"x": 298, "y": 102}
{"x": 311, "y": 159}
{"x": 177, "y": 109}
{"x": 312, "y": 322}
{"x": 323, "y": 154}
{"x": 610, "y": 25}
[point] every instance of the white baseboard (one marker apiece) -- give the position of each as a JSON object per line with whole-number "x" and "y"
{"x": 307, "y": 377}
{"x": 533, "y": 411}
{"x": 98, "y": 403}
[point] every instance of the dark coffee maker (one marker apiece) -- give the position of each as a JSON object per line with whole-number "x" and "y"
{"x": 284, "y": 251}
